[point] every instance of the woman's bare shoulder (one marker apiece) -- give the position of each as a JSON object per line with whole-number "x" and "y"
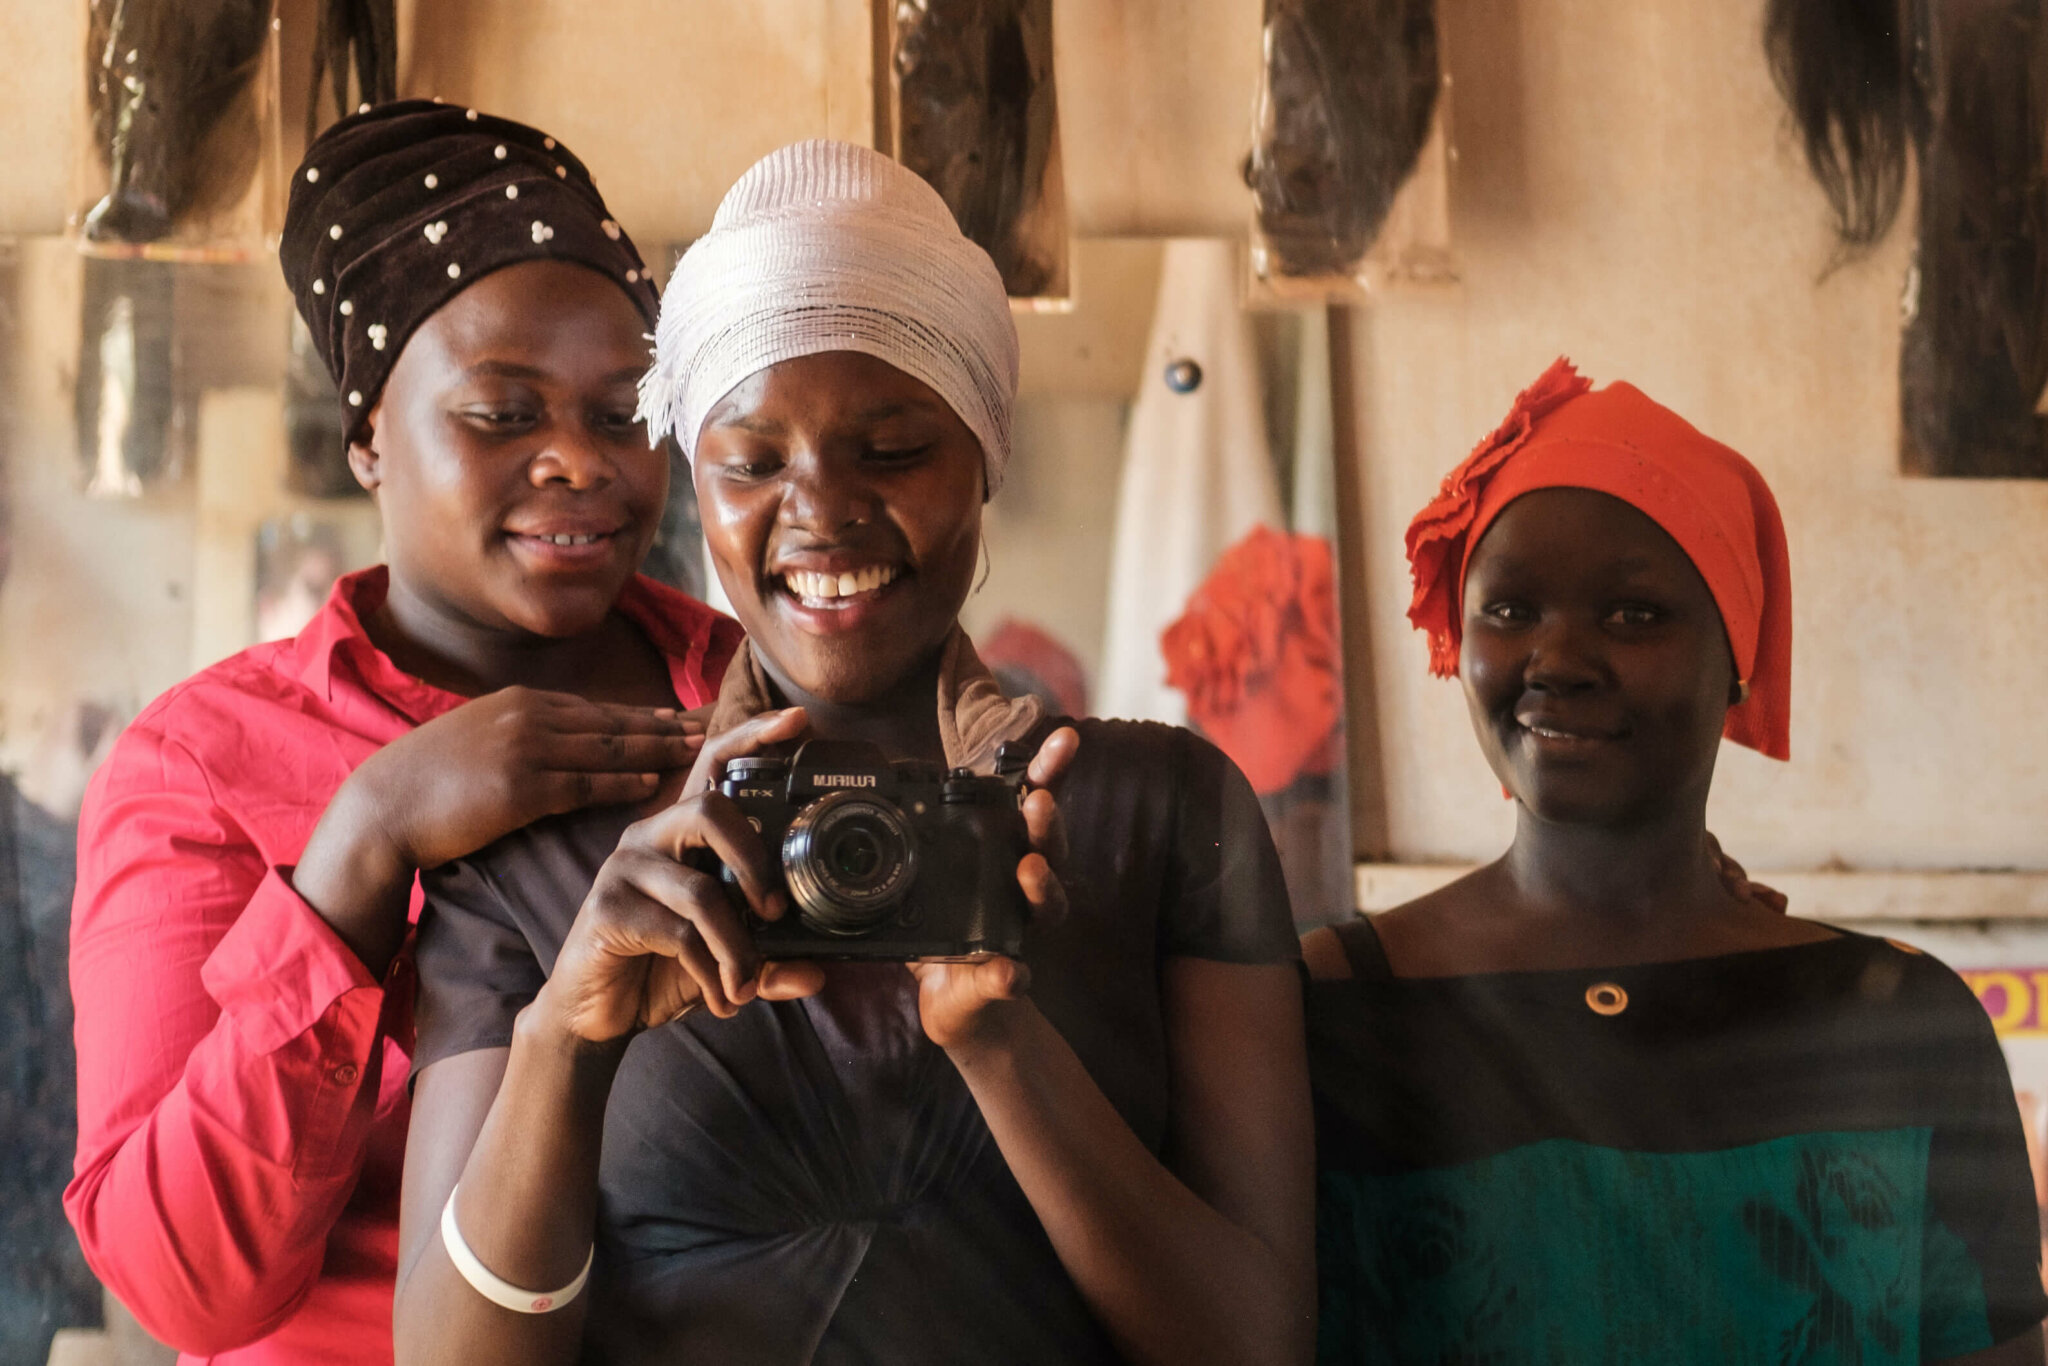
{"x": 1434, "y": 917}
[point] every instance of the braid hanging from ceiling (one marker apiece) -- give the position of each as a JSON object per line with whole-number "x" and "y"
{"x": 356, "y": 38}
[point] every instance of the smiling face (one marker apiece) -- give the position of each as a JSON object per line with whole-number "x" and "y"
{"x": 1594, "y": 661}
{"x": 516, "y": 489}
{"x": 841, "y": 500}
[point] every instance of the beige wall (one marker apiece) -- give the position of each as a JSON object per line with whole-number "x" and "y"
{"x": 1626, "y": 192}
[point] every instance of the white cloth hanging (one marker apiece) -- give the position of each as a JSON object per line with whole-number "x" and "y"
{"x": 1198, "y": 473}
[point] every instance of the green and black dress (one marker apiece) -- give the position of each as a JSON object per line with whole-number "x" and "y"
{"x": 1806, "y": 1154}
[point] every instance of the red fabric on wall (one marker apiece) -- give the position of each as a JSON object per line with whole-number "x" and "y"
{"x": 242, "y": 1099}
{"x": 1256, "y": 654}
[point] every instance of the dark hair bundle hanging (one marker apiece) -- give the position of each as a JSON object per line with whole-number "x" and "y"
{"x": 1846, "y": 71}
{"x": 1963, "y": 90}
{"x": 976, "y": 118}
{"x": 1350, "y": 90}
{"x": 167, "y": 82}
{"x": 359, "y": 36}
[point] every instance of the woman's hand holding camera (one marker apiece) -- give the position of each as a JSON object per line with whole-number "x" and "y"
{"x": 954, "y": 999}
{"x": 464, "y": 779}
{"x": 658, "y": 937}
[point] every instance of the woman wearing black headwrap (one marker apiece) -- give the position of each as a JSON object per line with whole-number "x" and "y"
{"x": 247, "y": 854}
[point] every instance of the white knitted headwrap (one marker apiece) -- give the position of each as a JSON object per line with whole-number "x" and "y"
{"x": 825, "y": 246}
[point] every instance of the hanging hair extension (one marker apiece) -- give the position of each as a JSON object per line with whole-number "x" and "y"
{"x": 1350, "y": 90}
{"x": 169, "y": 84}
{"x": 1961, "y": 90}
{"x": 358, "y": 34}
{"x": 977, "y": 117}
{"x": 1847, "y": 74}
{"x": 1974, "y": 358}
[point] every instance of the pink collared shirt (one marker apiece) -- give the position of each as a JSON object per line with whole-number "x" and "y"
{"x": 242, "y": 1099}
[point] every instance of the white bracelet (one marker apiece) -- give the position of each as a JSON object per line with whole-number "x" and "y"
{"x": 498, "y": 1291}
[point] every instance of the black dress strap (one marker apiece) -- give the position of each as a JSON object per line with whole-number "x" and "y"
{"x": 1362, "y": 947}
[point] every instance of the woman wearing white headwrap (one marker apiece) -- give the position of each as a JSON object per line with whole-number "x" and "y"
{"x": 1097, "y": 1152}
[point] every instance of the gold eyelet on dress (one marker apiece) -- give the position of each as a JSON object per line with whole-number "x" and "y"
{"x": 1606, "y": 998}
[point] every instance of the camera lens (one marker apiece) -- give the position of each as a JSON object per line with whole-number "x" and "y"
{"x": 856, "y": 854}
{"x": 848, "y": 859}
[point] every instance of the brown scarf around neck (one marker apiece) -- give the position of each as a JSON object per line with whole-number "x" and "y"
{"x": 974, "y": 715}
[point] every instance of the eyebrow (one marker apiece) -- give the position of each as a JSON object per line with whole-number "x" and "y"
{"x": 505, "y": 369}
{"x": 746, "y": 422}
{"x": 1625, "y": 567}
{"x": 762, "y": 426}
{"x": 882, "y": 412}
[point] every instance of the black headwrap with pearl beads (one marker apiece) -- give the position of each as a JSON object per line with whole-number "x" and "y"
{"x": 398, "y": 209}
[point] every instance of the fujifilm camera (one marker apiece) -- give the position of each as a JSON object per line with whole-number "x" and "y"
{"x": 885, "y": 860}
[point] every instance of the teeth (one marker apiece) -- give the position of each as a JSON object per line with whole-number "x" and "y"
{"x": 1549, "y": 733}
{"x": 821, "y": 587}
{"x": 574, "y": 540}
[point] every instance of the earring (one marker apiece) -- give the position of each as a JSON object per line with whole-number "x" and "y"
{"x": 1741, "y": 691}
{"x": 988, "y": 564}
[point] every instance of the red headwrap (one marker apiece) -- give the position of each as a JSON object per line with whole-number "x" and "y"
{"x": 1710, "y": 500}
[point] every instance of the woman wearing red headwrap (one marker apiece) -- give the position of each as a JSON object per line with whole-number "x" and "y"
{"x": 1590, "y": 1102}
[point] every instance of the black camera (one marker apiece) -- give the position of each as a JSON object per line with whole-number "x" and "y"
{"x": 886, "y": 860}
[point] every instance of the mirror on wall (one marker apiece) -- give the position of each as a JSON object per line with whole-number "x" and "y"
{"x": 1164, "y": 545}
